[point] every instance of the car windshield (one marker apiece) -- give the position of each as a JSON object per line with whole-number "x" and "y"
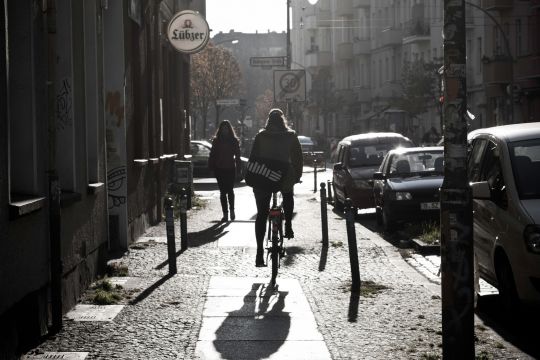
{"x": 369, "y": 155}
{"x": 525, "y": 156}
{"x": 423, "y": 163}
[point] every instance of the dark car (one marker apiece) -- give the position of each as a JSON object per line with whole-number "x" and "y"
{"x": 359, "y": 156}
{"x": 406, "y": 187}
{"x": 200, "y": 152}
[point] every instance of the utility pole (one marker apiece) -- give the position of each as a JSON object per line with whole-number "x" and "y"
{"x": 457, "y": 279}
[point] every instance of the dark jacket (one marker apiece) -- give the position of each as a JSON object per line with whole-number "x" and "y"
{"x": 225, "y": 154}
{"x": 283, "y": 146}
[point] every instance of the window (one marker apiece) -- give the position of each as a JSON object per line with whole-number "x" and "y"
{"x": 21, "y": 97}
{"x": 475, "y": 159}
{"x": 519, "y": 38}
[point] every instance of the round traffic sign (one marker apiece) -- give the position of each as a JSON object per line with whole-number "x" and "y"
{"x": 289, "y": 82}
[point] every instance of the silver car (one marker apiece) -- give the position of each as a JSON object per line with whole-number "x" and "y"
{"x": 504, "y": 171}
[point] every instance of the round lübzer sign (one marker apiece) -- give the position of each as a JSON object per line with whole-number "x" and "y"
{"x": 188, "y": 32}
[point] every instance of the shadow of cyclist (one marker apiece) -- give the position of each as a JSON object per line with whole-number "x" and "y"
{"x": 260, "y": 318}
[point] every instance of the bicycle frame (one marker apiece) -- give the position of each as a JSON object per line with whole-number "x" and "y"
{"x": 275, "y": 235}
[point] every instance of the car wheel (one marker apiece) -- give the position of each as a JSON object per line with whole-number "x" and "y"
{"x": 378, "y": 216}
{"x": 507, "y": 285}
{"x": 387, "y": 222}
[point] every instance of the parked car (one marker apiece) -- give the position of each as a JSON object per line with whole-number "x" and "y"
{"x": 406, "y": 186}
{"x": 306, "y": 143}
{"x": 358, "y": 157}
{"x": 504, "y": 171}
{"x": 200, "y": 152}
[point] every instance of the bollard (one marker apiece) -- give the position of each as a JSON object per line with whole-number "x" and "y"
{"x": 183, "y": 219}
{"x": 324, "y": 216}
{"x": 169, "y": 224}
{"x": 353, "y": 250}
{"x": 329, "y": 199}
{"x": 314, "y": 174}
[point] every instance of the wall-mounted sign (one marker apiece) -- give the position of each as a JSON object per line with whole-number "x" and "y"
{"x": 188, "y": 32}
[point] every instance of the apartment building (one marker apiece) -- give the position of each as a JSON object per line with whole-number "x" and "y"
{"x": 355, "y": 52}
{"x": 94, "y": 103}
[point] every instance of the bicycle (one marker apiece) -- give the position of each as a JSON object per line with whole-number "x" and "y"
{"x": 275, "y": 236}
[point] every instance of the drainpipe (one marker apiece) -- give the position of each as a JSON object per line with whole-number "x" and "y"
{"x": 56, "y": 267}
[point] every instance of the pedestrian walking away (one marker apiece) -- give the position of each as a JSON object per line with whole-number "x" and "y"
{"x": 275, "y": 164}
{"x": 224, "y": 160}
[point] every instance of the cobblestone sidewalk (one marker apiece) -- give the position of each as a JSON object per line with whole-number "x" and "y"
{"x": 397, "y": 315}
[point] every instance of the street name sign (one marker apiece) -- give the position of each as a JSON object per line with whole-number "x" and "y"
{"x": 289, "y": 85}
{"x": 228, "y": 102}
{"x": 268, "y": 61}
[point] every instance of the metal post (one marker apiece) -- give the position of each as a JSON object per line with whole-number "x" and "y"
{"x": 329, "y": 199}
{"x": 55, "y": 222}
{"x": 324, "y": 216}
{"x": 183, "y": 219}
{"x": 350, "y": 212}
{"x": 457, "y": 270}
{"x": 314, "y": 174}
{"x": 171, "y": 246}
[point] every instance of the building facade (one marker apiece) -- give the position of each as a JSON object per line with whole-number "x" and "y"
{"x": 95, "y": 103}
{"x": 355, "y": 52}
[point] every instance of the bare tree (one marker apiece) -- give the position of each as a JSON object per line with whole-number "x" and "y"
{"x": 263, "y": 104}
{"x": 215, "y": 74}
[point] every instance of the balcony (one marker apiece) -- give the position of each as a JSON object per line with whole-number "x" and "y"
{"x": 344, "y": 8}
{"x": 497, "y": 71}
{"x": 318, "y": 59}
{"x": 361, "y": 3}
{"x": 528, "y": 67}
{"x": 390, "y": 36}
{"x": 362, "y": 94}
{"x": 496, "y": 4}
{"x": 416, "y": 30}
{"x": 362, "y": 47}
{"x": 346, "y": 96}
{"x": 310, "y": 23}
{"x": 324, "y": 18}
{"x": 345, "y": 51}
{"x": 389, "y": 90}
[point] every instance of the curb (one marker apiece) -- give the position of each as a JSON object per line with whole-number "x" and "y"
{"x": 424, "y": 248}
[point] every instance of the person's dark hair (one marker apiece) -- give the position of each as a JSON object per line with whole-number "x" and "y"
{"x": 220, "y": 134}
{"x": 276, "y": 120}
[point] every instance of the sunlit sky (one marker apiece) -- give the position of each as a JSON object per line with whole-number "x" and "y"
{"x": 246, "y": 16}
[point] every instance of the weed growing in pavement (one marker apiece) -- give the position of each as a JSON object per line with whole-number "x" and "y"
{"x": 117, "y": 269}
{"x": 337, "y": 244}
{"x": 105, "y": 293}
{"x": 367, "y": 288}
{"x": 428, "y": 232}
{"x": 483, "y": 356}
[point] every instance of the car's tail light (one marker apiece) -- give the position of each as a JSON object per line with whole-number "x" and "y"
{"x": 532, "y": 238}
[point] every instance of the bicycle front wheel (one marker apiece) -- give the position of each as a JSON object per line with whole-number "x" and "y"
{"x": 275, "y": 261}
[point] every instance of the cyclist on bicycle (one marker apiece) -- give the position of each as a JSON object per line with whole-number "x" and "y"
{"x": 276, "y": 143}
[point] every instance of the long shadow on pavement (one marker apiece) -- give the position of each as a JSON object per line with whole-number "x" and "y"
{"x": 254, "y": 331}
{"x": 149, "y": 290}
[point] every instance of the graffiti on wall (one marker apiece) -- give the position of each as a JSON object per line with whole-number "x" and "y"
{"x": 64, "y": 105}
{"x": 116, "y": 181}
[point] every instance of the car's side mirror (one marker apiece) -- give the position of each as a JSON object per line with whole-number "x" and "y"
{"x": 481, "y": 190}
{"x": 377, "y": 175}
{"x": 338, "y": 166}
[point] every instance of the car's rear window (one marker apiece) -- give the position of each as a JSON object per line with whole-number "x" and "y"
{"x": 372, "y": 154}
{"x": 525, "y": 157}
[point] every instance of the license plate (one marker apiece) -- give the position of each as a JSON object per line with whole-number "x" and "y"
{"x": 430, "y": 206}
